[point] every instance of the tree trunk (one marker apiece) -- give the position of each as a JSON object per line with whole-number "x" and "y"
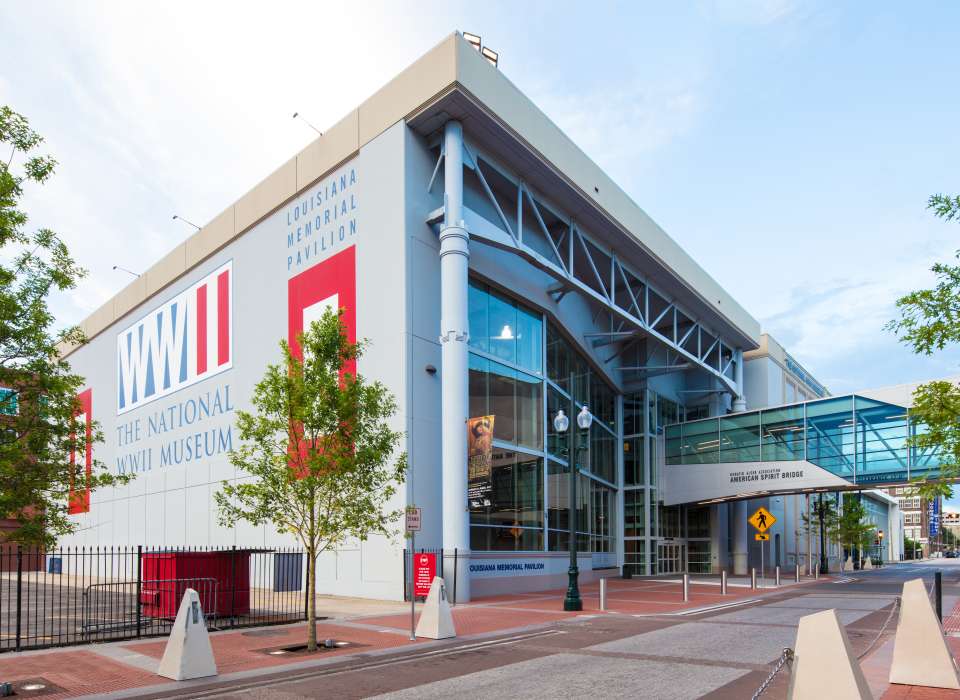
{"x": 311, "y": 599}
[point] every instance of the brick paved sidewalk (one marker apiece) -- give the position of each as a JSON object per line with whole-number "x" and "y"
{"x": 76, "y": 671}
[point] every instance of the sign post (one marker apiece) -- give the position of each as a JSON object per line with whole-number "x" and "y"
{"x": 762, "y": 520}
{"x": 412, "y": 526}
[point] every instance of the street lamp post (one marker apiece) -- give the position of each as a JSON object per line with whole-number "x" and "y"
{"x": 561, "y": 424}
{"x": 880, "y": 553}
{"x": 821, "y": 515}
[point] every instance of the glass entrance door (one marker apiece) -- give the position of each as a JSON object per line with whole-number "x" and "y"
{"x": 671, "y": 558}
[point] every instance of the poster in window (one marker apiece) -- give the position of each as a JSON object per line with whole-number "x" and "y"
{"x": 479, "y": 460}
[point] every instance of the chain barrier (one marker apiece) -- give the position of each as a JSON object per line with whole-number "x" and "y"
{"x": 883, "y": 628}
{"x": 786, "y": 659}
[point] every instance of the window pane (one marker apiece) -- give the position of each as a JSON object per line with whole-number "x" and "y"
{"x": 556, "y": 444}
{"x": 634, "y": 516}
{"x": 602, "y": 453}
{"x": 478, "y": 299}
{"x": 674, "y": 443}
{"x": 529, "y": 407}
{"x": 633, "y": 413}
{"x": 479, "y": 392}
{"x": 501, "y": 539}
{"x": 502, "y": 328}
{"x": 602, "y": 402}
{"x": 782, "y": 433}
{"x": 830, "y": 435}
{"x": 502, "y": 401}
{"x": 633, "y": 461}
{"x": 701, "y": 442}
{"x": 740, "y": 438}
{"x": 529, "y": 340}
{"x": 516, "y": 497}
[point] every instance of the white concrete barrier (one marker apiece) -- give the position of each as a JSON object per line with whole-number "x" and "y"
{"x": 920, "y": 653}
{"x": 436, "y": 620}
{"x": 823, "y": 663}
{"x": 188, "y": 653}
{"x": 847, "y": 565}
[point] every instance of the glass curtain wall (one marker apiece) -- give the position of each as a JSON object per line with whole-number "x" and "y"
{"x": 645, "y": 414}
{"x": 522, "y": 371}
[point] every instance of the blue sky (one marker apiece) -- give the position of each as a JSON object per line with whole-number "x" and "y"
{"x": 790, "y": 147}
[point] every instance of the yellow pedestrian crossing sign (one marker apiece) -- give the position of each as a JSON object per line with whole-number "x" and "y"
{"x": 762, "y": 519}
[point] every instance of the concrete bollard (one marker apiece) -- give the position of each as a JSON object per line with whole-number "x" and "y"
{"x": 753, "y": 578}
{"x": 436, "y": 620}
{"x": 723, "y": 582}
{"x": 823, "y": 664}
{"x": 686, "y": 587}
{"x": 796, "y": 576}
{"x": 188, "y": 653}
{"x": 920, "y": 652}
{"x": 776, "y": 577}
{"x": 603, "y": 594}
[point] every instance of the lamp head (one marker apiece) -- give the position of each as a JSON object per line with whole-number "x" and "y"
{"x": 584, "y": 418}
{"x": 561, "y": 422}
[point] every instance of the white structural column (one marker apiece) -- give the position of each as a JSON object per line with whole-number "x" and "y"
{"x": 454, "y": 258}
{"x": 739, "y": 402}
{"x": 740, "y": 542}
{"x": 741, "y": 546}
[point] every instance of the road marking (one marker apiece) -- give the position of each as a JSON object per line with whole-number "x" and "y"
{"x": 407, "y": 658}
{"x": 697, "y": 611}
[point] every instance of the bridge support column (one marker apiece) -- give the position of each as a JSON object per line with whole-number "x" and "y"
{"x": 740, "y": 542}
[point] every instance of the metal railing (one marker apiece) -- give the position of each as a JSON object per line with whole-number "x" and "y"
{"x": 77, "y": 595}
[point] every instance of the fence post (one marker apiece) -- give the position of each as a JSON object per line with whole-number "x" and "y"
{"x": 19, "y": 593}
{"x": 233, "y": 582}
{"x": 454, "y": 573}
{"x": 139, "y": 588}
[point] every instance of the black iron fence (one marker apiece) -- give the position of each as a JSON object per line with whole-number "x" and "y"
{"x": 97, "y": 594}
{"x": 451, "y": 555}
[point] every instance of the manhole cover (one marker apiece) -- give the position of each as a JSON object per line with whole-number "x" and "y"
{"x": 34, "y": 687}
{"x": 323, "y": 645}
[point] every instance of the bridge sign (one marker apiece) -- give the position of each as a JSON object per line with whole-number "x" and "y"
{"x": 762, "y": 519}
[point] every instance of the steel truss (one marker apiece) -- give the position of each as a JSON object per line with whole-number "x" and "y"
{"x": 555, "y": 243}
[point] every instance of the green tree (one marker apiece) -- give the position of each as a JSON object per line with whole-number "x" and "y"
{"x": 320, "y": 450}
{"x": 851, "y": 527}
{"x": 929, "y": 322}
{"x": 38, "y": 391}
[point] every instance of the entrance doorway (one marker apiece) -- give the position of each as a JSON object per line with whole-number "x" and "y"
{"x": 671, "y": 558}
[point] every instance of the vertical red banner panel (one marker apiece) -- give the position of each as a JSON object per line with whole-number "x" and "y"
{"x": 79, "y": 498}
{"x": 201, "y": 329}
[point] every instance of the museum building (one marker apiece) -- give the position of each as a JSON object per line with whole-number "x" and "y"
{"x": 500, "y": 277}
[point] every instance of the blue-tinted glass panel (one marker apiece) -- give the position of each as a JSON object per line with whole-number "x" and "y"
{"x": 881, "y": 441}
{"x": 674, "y": 444}
{"x": 478, "y": 301}
{"x": 740, "y": 438}
{"x": 633, "y": 413}
{"x": 782, "y": 434}
{"x": 701, "y": 442}
{"x": 529, "y": 340}
{"x": 502, "y": 328}
{"x": 9, "y": 404}
{"x": 603, "y": 453}
{"x": 633, "y": 461}
{"x": 830, "y": 435}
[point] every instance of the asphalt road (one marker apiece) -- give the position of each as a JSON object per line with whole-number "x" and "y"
{"x": 723, "y": 653}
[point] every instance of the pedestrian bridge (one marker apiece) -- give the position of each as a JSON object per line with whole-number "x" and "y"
{"x": 836, "y": 443}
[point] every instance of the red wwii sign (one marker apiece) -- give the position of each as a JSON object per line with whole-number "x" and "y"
{"x": 424, "y": 569}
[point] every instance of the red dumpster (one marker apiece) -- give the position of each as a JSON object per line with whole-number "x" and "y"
{"x": 221, "y": 578}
